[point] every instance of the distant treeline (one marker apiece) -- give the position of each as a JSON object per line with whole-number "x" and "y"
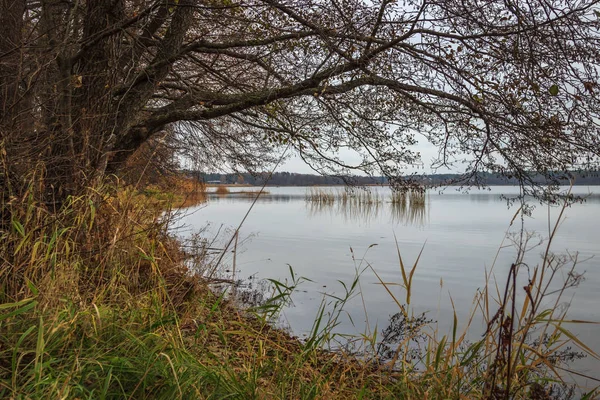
{"x": 296, "y": 179}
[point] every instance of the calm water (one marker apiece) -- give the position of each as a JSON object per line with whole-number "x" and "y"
{"x": 462, "y": 234}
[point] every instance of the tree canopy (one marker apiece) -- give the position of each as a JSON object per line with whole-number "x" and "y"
{"x": 503, "y": 86}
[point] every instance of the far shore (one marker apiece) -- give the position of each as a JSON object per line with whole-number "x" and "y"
{"x": 212, "y": 185}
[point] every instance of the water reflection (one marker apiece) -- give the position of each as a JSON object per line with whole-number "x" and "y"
{"x": 412, "y": 213}
{"x": 484, "y": 197}
{"x": 375, "y": 196}
{"x": 410, "y": 208}
{"x": 499, "y": 194}
{"x": 350, "y": 211}
{"x": 365, "y": 206}
{"x": 264, "y": 198}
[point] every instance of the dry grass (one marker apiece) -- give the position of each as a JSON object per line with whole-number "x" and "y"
{"x": 321, "y": 196}
{"x": 188, "y": 192}
{"x": 222, "y": 190}
{"x": 343, "y": 196}
{"x": 177, "y": 192}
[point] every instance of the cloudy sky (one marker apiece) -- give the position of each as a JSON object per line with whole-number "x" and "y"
{"x": 427, "y": 150}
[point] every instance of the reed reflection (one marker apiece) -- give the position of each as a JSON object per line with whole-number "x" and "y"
{"x": 410, "y": 207}
{"x": 364, "y": 205}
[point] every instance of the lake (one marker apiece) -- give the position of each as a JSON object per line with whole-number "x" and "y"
{"x": 462, "y": 233}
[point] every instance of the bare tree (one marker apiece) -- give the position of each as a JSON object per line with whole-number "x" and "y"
{"x": 505, "y": 86}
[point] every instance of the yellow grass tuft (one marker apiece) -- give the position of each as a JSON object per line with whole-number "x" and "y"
{"x": 222, "y": 190}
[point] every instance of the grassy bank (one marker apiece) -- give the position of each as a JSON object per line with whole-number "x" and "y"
{"x": 96, "y": 301}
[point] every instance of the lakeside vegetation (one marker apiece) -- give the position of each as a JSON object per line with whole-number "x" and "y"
{"x": 100, "y": 302}
{"x": 104, "y": 306}
{"x": 407, "y": 206}
{"x": 176, "y": 191}
{"x": 343, "y": 196}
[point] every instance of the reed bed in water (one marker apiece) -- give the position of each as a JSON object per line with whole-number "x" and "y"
{"x": 343, "y": 196}
{"x": 321, "y": 196}
{"x": 416, "y": 198}
{"x": 349, "y": 210}
{"x": 224, "y": 190}
{"x": 405, "y": 206}
{"x": 409, "y": 205}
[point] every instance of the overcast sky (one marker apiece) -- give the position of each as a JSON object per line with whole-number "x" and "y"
{"x": 427, "y": 150}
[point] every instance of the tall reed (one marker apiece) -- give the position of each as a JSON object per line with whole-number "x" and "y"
{"x": 523, "y": 351}
{"x": 404, "y": 206}
{"x": 409, "y": 206}
{"x": 321, "y": 196}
